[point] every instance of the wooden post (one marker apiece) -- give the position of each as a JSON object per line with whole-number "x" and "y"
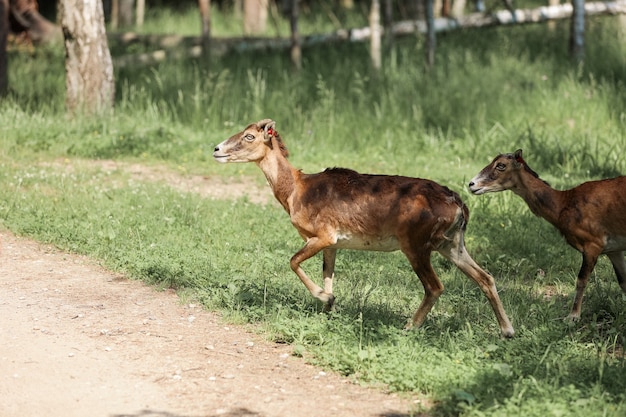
{"x": 205, "y": 20}
{"x": 4, "y": 33}
{"x": 126, "y": 10}
{"x": 375, "y": 44}
{"x": 387, "y": 22}
{"x": 140, "y": 13}
{"x": 431, "y": 39}
{"x": 296, "y": 49}
{"x": 254, "y": 16}
{"x": 115, "y": 14}
{"x": 577, "y": 32}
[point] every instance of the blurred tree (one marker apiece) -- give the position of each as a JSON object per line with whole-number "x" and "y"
{"x": 577, "y": 31}
{"x": 126, "y": 12}
{"x": 89, "y": 81}
{"x": 296, "y": 48}
{"x": 375, "y": 30}
{"x": 205, "y": 20}
{"x": 388, "y": 21}
{"x": 431, "y": 38}
{"x": 140, "y": 13}
{"x": 122, "y": 12}
{"x": 255, "y": 16}
{"x": 4, "y": 33}
{"x": 115, "y": 14}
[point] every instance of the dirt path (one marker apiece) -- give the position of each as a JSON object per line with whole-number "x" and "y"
{"x": 76, "y": 340}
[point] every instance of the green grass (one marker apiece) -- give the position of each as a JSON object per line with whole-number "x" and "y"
{"x": 493, "y": 91}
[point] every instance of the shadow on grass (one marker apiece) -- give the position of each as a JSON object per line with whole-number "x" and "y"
{"x": 554, "y": 365}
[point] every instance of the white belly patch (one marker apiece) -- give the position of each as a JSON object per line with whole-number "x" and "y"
{"x": 350, "y": 241}
{"x": 615, "y": 244}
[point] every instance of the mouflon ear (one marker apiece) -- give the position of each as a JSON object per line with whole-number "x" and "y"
{"x": 268, "y": 128}
{"x": 518, "y": 157}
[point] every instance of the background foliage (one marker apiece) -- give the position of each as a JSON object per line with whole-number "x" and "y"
{"x": 493, "y": 90}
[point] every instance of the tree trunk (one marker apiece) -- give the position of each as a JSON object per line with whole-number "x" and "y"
{"x": 115, "y": 14}
{"x": 126, "y": 12}
{"x": 88, "y": 65}
{"x": 4, "y": 33}
{"x": 441, "y": 8}
{"x": 387, "y": 22}
{"x": 205, "y": 17}
{"x": 375, "y": 44}
{"x": 577, "y": 31}
{"x": 296, "y": 49}
{"x": 255, "y": 16}
{"x": 140, "y": 13}
{"x": 431, "y": 39}
{"x": 458, "y": 8}
{"x": 205, "y": 22}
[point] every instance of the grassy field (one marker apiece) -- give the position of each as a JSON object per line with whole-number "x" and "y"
{"x": 494, "y": 90}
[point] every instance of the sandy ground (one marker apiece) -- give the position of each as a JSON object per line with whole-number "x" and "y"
{"x": 77, "y": 340}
